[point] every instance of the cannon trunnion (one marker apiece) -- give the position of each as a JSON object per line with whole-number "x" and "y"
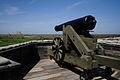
{"x": 79, "y": 49}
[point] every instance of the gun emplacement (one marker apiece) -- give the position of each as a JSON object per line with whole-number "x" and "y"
{"x": 80, "y": 49}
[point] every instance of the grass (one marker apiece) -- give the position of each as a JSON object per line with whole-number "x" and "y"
{"x": 105, "y": 36}
{"x": 6, "y": 42}
{"x": 17, "y": 38}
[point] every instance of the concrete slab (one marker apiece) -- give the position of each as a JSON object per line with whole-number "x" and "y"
{"x": 46, "y": 69}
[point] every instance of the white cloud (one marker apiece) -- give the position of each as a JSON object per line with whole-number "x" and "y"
{"x": 74, "y": 5}
{"x": 33, "y": 1}
{"x": 0, "y": 13}
{"x": 12, "y": 11}
{"x": 3, "y": 21}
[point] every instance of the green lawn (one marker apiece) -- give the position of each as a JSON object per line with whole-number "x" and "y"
{"x": 6, "y": 42}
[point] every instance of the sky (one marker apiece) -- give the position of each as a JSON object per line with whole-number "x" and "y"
{"x": 40, "y": 16}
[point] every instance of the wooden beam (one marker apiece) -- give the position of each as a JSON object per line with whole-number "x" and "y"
{"x": 108, "y": 61}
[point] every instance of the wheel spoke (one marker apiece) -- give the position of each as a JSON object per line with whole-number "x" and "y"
{"x": 60, "y": 46}
{"x": 53, "y": 47}
{"x": 60, "y": 55}
{"x": 54, "y": 51}
{"x": 61, "y": 51}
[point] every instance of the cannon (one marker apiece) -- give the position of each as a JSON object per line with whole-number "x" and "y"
{"x": 79, "y": 48}
{"x": 84, "y": 23}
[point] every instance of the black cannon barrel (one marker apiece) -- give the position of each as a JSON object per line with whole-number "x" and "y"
{"x": 84, "y": 23}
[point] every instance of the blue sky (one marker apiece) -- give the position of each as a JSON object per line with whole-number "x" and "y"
{"x": 40, "y": 16}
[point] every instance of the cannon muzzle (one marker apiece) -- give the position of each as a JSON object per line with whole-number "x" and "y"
{"x": 81, "y": 24}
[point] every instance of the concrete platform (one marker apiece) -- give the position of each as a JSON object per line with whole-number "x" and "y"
{"x": 49, "y": 70}
{"x": 46, "y": 69}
